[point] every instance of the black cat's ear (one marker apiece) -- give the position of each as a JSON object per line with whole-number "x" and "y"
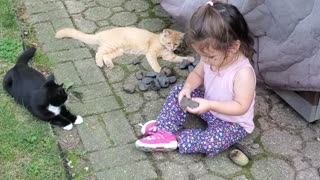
{"x": 50, "y": 80}
{"x": 61, "y": 85}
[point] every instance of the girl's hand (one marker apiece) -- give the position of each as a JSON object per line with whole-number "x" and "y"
{"x": 185, "y": 92}
{"x": 204, "y": 106}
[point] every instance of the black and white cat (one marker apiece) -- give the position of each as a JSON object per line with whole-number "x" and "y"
{"x": 42, "y": 97}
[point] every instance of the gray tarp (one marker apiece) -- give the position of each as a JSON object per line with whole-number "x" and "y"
{"x": 287, "y": 38}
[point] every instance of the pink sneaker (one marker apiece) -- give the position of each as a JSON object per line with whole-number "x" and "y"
{"x": 159, "y": 141}
{"x": 149, "y": 127}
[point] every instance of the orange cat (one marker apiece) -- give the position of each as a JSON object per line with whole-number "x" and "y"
{"x": 129, "y": 40}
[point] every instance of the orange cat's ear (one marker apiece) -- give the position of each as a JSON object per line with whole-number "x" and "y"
{"x": 166, "y": 32}
{"x": 181, "y": 36}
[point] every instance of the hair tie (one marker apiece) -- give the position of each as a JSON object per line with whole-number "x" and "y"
{"x": 210, "y": 3}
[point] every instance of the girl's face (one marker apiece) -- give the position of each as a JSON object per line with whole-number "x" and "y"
{"x": 214, "y": 57}
{"x": 210, "y": 56}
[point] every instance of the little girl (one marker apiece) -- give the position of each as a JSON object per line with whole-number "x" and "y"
{"x": 220, "y": 35}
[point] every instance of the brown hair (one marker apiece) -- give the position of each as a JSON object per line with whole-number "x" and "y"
{"x": 222, "y": 23}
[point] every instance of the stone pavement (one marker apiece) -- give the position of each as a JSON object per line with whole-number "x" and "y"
{"x": 285, "y": 146}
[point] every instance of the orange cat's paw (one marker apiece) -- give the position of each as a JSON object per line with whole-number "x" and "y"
{"x": 99, "y": 64}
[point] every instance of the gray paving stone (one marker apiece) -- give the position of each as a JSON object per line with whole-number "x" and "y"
{"x": 44, "y": 32}
{"x": 266, "y": 123}
{"x": 198, "y": 169}
{"x": 61, "y": 45}
{"x": 123, "y": 19}
{"x": 155, "y": 1}
{"x": 111, "y": 3}
{"x": 151, "y": 95}
{"x": 103, "y": 23}
{"x": 135, "y": 171}
{"x": 70, "y": 55}
{"x": 311, "y": 151}
{"x": 117, "y": 9}
{"x": 170, "y": 170}
{"x": 116, "y": 74}
{"x": 276, "y": 141}
{"x": 42, "y": 17}
{"x": 44, "y": 7}
{"x": 93, "y": 134}
{"x": 284, "y": 116}
{"x": 211, "y": 177}
{"x": 131, "y": 102}
{"x": 116, "y": 157}
{"x": 261, "y": 106}
{"x": 300, "y": 162}
{"x": 160, "y": 12}
{"x": 33, "y": 2}
{"x": 66, "y": 72}
{"x": 152, "y": 109}
{"x": 84, "y": 25}
{"x": 125, "y": 59}
{"x": 62, "y": 23}
{"x": 183, "y": 159}
{"x": 97, "y": 13}
{"x": 75, "y": 6}
{"x": 242, "y": 177}
{"x": 152, "y": 24}
{"x": 221, "y": 164}
{"x": 94, "y": 91}
{"x": 136, "y": 5}
{"x": 118, "y": 127}
{"x": 89, "y": 72}
{"x": 95, "y": 106}
{"x": 271, "y": 169}
{"x": 136, "y": 118}
{"x": 308, "y": 174}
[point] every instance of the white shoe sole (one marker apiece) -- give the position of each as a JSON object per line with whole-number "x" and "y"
{"x": 157, "y": 147}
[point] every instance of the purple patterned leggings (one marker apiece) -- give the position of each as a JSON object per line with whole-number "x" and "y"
{"x": 219, "y": 135}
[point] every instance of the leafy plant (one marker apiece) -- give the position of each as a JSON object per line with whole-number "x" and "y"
{"x": 9, "y": 48}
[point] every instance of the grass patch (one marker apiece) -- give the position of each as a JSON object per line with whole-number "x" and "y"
{"x": 28, "y": 148}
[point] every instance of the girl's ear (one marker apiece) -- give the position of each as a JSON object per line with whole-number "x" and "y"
{"x": 50, "y": 80}
{"x": 235, "y": 47}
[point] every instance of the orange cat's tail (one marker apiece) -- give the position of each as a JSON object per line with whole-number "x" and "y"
{"x": 75, "y": 34}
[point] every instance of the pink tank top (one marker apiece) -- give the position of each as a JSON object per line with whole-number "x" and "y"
{"x": 219, "y": 87}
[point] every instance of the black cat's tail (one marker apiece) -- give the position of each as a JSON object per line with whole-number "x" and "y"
{"x": 26, "y": 56}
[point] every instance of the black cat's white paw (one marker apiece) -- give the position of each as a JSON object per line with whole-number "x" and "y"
{"x": 79, "y": 120}
{"x": 68, "y": 127}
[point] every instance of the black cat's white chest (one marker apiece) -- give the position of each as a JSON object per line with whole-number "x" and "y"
{"x": 54, "y": 109}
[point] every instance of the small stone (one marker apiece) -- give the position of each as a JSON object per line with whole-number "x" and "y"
{"x": 139, "y": 75}
{"x": 184, "y": 64}
{"x": 129, "y": 88}
{"x": 86, "y": 168}
{"x": 172, "y": 79}
{"x": 155, "y": 85}
{"x": 190, "y": 68}
{"x": 147, "y": 80}
{"x": 150, "y": 74}
{"x": 142, "y": 86}
{"x": 255, "y": 146}
{"x": 168, "y": 71}
{"x": 187, "y": 102}
{"x": 163, "y": 80}
{"x": 318, "y": 139}
{"x": 136, "y": 61}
